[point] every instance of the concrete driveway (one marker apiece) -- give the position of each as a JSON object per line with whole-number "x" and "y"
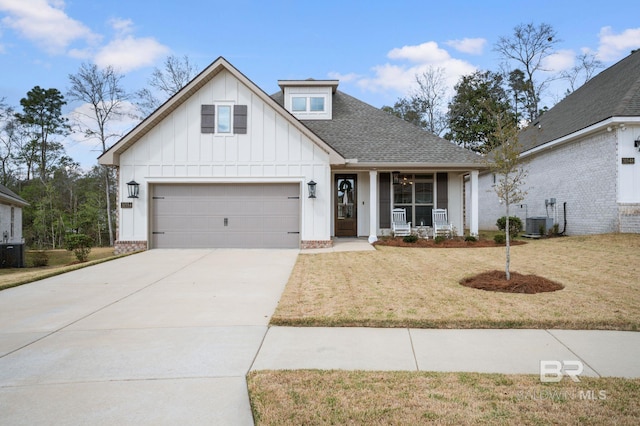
{"x": 160, "y": 337}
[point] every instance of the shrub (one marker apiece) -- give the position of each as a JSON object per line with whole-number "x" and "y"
{"x": 80, "y": 244}
{"x": 410, "y": 238}
{"x": 515, "y": 225}
{"x": 439, "y": 239}
{"x": 500, "y": 238}
{"x": 39, "y": 258}
{"x": 470, "y": 238}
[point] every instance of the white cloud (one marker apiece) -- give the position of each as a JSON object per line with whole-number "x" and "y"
{"x": 45, "y": 23}
{"x": 402, "y": 79}
{"x": 122, "y": 26}
{"x": 559, "y": 61}
{"x": 473, "y": 46}
{"x": 613, "y": 46}
{"x": 344, "y": 78}
{"x": 428, "y": 52}
{"x": 129, "y": 53}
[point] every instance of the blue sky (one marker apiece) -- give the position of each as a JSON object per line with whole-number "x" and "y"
{"x": 375, "y": 48}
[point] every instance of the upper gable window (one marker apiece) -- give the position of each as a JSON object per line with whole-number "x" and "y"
{"x": 224, "y": 119}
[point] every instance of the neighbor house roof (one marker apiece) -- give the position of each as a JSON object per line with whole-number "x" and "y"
{"x": 615, "y": 92}
{"x": 7, "y": 196}
{"x": 371, "y": 136}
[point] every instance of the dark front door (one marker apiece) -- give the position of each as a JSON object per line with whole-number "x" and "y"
{"x": 346, "y": 212}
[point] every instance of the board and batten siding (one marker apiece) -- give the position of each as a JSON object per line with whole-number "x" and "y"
{"x": 272, "y": 150}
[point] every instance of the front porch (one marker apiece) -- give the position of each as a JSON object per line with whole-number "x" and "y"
{"x": 362, "y": 200}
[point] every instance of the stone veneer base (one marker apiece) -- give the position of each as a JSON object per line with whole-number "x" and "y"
{"x": 313, "y": 244}
{"x": 121, "y": 247}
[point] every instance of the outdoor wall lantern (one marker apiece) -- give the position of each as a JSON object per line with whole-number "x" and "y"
{"x": 636, "y": 143}
{"x": 396, "y": 177}
{"x": 312, "y": 188}
{"x": 134, "y": 189}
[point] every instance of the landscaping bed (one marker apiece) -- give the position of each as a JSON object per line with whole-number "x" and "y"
{"x": 446, "y": 243}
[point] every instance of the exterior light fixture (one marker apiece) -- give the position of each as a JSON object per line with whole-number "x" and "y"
{"x": 396, "y": 177}
{"x": 636, "y": 143}
{"x": 312, "y": 188}
{"x": 134, "y": 189}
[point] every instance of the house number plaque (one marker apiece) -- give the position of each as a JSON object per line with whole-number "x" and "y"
{"x": 126, "y": 205}
{"x": 628, "y": 160}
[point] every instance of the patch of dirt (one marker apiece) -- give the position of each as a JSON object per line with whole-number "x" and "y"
{"x": 497, "y": 281}
{"x": 448, "y": 243}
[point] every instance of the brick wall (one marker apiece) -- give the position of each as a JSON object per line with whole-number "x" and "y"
{"x": 122, "y": 247}
{"x": 311, "y": 244}
{"x": 583, "y": 174}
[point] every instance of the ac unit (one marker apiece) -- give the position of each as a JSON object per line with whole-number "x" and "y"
{"x": 535, "y": 224}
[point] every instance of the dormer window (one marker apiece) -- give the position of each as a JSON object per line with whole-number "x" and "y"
{"x": 307, "y": 104}
{"x": 309, "y": 99}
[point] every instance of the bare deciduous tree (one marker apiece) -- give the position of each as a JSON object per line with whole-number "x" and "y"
{"x": 431, "y": 94}
{"x": 529, "y": 45}
{"x": 166, "y": 82}
{"x": 101, "y": 90}
{"x": 586, "y": 66}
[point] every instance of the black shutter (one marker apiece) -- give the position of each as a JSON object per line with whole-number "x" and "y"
{"x": 442, "y": 180}
{"x": 384, "y": 197}
{"x": 208, "y": 119}
{"x": 240, "y": 119}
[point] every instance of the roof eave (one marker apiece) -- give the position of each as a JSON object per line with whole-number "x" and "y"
{"x": 413, "y": 165}
{"x": 612, "y": 121}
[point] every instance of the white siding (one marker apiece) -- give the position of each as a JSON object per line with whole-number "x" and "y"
{"x": 273, "y": 150}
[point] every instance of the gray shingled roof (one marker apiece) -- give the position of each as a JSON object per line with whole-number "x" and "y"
{"x": 12, "y": 197}
{"x": 370, "y": 135}
{"x": 615, "y": 92}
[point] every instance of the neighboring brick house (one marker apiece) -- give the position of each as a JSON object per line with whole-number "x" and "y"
{"x": 223, "y": 164}
{"x": 583, "y": 158}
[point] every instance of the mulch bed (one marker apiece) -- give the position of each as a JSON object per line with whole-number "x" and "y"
{"x": 448, "y": 243}
{"x": 496, "y": 281}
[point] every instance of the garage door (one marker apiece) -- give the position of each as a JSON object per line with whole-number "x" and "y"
{"x": 226, "y": 215}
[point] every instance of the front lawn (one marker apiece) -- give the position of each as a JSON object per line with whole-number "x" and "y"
{"x": 410, "y": 398}
{"x": 419, "y": 287}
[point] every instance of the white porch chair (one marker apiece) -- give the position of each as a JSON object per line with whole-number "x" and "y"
{"x": 399, "y": 224}
{"x": 441, "y": 225}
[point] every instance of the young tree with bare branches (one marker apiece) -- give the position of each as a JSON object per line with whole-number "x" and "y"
{"x": 504, "y": 161}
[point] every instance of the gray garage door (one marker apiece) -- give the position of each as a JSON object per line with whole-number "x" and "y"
{"x": 226, "y": 215}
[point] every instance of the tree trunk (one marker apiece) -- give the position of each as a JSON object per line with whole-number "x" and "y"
{"x": 508, "y": 263}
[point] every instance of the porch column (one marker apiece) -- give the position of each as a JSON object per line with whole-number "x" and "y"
{"x": 373, "y": 206}
{"x": 473, "y": 218}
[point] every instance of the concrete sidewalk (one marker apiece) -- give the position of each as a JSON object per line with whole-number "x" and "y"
{"x": 603, "y": 353}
